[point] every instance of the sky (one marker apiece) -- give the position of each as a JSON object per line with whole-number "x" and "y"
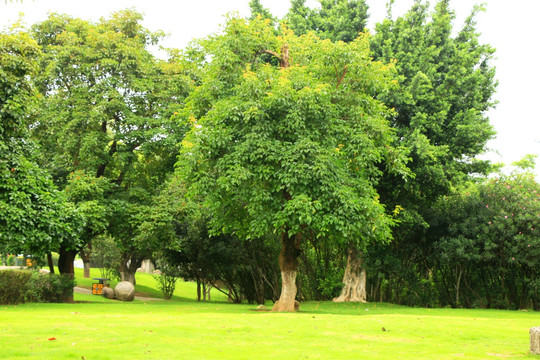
{"x": 509, "y": 26}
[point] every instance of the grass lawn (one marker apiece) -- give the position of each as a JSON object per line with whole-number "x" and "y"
{"x": 97, "y": 328}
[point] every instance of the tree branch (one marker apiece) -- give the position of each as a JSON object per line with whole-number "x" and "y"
{"x": 342, "y": 76}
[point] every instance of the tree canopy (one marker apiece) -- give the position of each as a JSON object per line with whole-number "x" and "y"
{"x": 290, "y": 148}
{"x": 33, "y": 214}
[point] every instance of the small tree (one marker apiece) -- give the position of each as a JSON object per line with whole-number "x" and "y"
{"x": 106, "y": 256}
{"x": 166, "y": 279}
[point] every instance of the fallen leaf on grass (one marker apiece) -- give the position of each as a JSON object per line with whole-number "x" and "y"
{"x": 50, "y": 339}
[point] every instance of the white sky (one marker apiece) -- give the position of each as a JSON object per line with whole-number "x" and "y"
{"x": 509, "y": 26}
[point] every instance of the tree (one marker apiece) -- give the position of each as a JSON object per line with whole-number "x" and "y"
{"x": 106, "y": 112}
{"x": 446, "y": 85}
{"x": 290, "y": 149}
{"x": 86, "y": 195}
{"x": 445, "y": 89}
{"x": 486, "y": 238}
{"x": 33, "y": 214}
{"x": 337, "y": 20}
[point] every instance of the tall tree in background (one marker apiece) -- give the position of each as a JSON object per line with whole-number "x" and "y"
{"x": 257, "y": 9}
{"x": 289, "y": 148}
{"x": 446, "y": 84}
{"x": 106, "y": 111}
{"x": 336, "y": 20}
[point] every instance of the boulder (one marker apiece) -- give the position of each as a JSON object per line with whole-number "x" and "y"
{"x": 535, "y": 340}
{"x": 107, "y": 292}
{"x": 125, "y": 291}
{"x": 296, "y": 305}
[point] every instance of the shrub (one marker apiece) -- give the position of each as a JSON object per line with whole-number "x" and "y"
{"x": 13, "y": 286}
{"x": 106, "y": 256}
{"x": 19, "y": 286}
{"x": 52, "y": 288}
{"x": 11, "y": 260}
{"x": 166, "y": 281}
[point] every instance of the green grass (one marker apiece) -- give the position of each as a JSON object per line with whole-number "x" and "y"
{"x": 184, "y": 329}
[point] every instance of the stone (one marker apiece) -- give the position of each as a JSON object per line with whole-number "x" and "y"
{"x": 125, "y": 291}
{"x": 535, "y": 340}
{"x": 296, "y": 305}
{"x": 107, "y": 292}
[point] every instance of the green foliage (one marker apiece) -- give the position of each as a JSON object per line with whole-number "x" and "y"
{"x": 337, "y": 20}
{"x": 11, "y": 260}
{"x": 245, "y": 267}
{"x": 106, "y": 256}
{"x": 488, "y": 236}
{"x": 166, "y": 279}
{"x": 13, "y": 286}
{"x": 446, "y": 82}
{"x": 293, "y": 147}
{"x": 19, "y": 286}
{"x": 50, "y": 288}
{"x": 32, "y": 214}
{"x": 321, "y": 270}
{"x": 257, "y": 9}
{"x": 105, "y": 121}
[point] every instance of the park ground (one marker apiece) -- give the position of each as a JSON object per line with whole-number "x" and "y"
{"x": 97, "y": 328}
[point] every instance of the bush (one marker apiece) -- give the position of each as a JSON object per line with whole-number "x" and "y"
{"x": 11, "y": 260}
{"x": 13, "y": 286}
{"x": 19, "y": 286}
{"x": 166, "y": 281}
{"x": 106, "y": 256}
{"x": 50, "y": 288}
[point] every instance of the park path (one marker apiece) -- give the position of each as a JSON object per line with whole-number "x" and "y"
{"x": 80, "y": 290}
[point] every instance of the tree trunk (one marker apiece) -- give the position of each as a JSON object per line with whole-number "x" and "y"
{"x": 65, "y": 262}
{"x": 457, "y": 286}
{"x": 128, "y": 268}
{"x": 85, "y": 256}
{"x": 86, "y": 272}
{"x": 288, "y": 264}
{"x": 354, "y": 279}
{"x": 65, "y": 267}
{"x": 50, "y": 263}
{"x": 198, "y": 289}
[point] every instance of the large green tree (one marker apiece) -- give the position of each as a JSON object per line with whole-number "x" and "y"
{"x": 291, "y": 146}
{"x": 106, "y": 109}
{"x": 336, "y": 20}
{"x": 33, "y": 214}
{"x": 446, "y": 85}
